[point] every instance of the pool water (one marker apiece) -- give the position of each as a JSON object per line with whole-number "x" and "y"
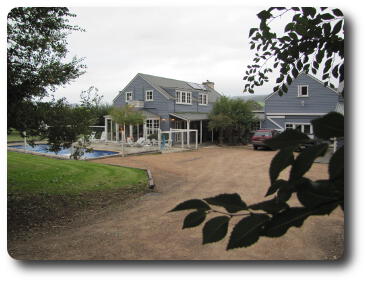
{"x": 44, "y": 148}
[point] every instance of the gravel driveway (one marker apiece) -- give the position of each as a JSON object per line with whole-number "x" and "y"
{"x": 143, "y": 230}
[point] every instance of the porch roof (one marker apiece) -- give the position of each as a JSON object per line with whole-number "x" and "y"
{"x": 190, "y": 116}
{"x": 147, "y": 114}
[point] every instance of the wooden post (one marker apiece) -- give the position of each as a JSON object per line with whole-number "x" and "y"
{"x": 188, "y": 133}
{"x": 201, "y": 131}
{"x": 196, "y": 139}
{"x": 212, "y": 136}
{"x": 124, "y": 133}
{"x": 117, "y": 132}
{"x": 131, "y": 131}
{"x": 111, "y": 130}
{"x": 137, "y": 130}
{"x": 105, "y": 127}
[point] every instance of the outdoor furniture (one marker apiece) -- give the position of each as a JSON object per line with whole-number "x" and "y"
{"x": 129, "y": 141}
{"x": 140, "y": 142}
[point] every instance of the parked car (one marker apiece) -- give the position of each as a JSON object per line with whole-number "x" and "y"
{"x": 260, "y": 136}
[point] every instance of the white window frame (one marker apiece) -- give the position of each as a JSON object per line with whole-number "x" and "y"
{"x": 295, "y": 124}
{"x": 183, "y": 94}
{"x": 201, "y": 96}
{"x": 126, "y": 96}
{"x": 300, "y": 91}
{"x": 148, "y": 98}
{"x": 152, "y": 125}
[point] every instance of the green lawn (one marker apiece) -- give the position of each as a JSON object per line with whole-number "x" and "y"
{"x": 37, "y": 174}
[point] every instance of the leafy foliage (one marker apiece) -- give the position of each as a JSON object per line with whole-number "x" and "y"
{"x": 126, "y": 115}
{"x": 232, "y": 117}
{"x": 36, "y": 53}
{"x": 274, "y": 217}
{"x": 313, "y": 38}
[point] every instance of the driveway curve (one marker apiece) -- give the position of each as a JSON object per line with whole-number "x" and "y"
{"x": 143, "y": 230}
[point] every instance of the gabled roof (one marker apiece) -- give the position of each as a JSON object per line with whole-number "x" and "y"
{"x": 162, "y": 84}
{"x": 312, "y": 77}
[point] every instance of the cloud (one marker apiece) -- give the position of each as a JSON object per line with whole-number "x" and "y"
{"x": 188, "y": 43}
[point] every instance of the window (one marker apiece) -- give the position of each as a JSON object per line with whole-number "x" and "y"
{"x": 203, "y": 99}
{"x": 148, "y": 95}
{"x": 129, "y": 96}
{"x": 302, "y": 127}
{"x": 183, "y": 97}
{"x": 152, "y": 126}
{"x": 303, "y": 91}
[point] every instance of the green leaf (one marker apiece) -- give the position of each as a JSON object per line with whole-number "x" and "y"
{"x": 309, "y": 11}
{"x": 329, "y": 126}
{"x": 286, "y": 139}
{"x": 194, "y": 219}
{"x": 263, "y": 15}
{"x": 215, "y": 229}
{"x": 289, "y": 80}
{"x": 191, "y": 204}
{"x": 280, "y": 223}
{"x": 338, "y": 13}
{"x": 275, "y": 186}
{"x": 327, "y": 17}
{"x": 336, "y": 164}
{"x": 252, "y": 30}
{"x": 305, "y": 160}
{"x": 231, "y": 202}
{"x": 247, "y": 231}
{"x": 315, "y": 194}
{"x": 337, "y": 27}
{"x": 270, "y": 206}
{"x": 281, "y": 160}
{"x": 289, "y": 27}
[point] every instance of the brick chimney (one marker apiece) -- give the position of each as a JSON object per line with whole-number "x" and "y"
{"x": 209, "y": 84}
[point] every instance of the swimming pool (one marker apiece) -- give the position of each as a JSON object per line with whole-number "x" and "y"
{"x": 44, "y": 148}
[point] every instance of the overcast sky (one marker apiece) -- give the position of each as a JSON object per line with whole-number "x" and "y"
{"x": 186, "y": 43}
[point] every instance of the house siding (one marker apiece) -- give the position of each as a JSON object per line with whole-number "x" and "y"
{"x": 321, "y": 99}
{"x": 160, "y": 105}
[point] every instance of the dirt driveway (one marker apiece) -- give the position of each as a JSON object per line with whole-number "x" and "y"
{"x": 144, "y": 231}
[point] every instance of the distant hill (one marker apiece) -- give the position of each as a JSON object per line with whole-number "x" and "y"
{"x": 256, "y": 97}
{"x": 259, "y": 98}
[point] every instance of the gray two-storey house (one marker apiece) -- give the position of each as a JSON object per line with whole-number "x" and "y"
{"x": 166, "y": 104}
{"x": 307, "y": 98}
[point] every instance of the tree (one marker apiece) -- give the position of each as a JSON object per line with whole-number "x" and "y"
{"x": 36, "y": 53}
{"x": 126, "y": 115}
{"x": 313, "y": 41}
{"x": 233, "y": 116}
{"x": 311, "y": 33}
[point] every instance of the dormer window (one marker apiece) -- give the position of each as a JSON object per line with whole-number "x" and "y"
{"x": 128, "y": 96}
{"x": 203, "y": 99}
{"x": 303, "y": 91}
{"x": 148, "y": 95}
{"x": 183, "y": 97}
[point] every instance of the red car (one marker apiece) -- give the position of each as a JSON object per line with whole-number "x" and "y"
{"x": 261, "y": 136}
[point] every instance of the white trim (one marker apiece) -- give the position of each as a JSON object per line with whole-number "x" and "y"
{"x": 146, "y": 92}
{"x": 278, "y": 117}
{"x": 296, "y": 114}
{"x": 275, "y": 123}
{"x": 200, "y": 100}
{"x": 179, "y": 101}
{"x": 132, "y": 96}
{"x": 299, "y": 94}
{"x": 294, "y": 124}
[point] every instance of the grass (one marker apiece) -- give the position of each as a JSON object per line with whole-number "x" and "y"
{"x": 37, "y": 174}
{"x": 43, "y": 190}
